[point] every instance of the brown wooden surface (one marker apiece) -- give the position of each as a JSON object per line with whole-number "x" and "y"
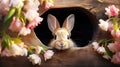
{"x": 77, "y": 57}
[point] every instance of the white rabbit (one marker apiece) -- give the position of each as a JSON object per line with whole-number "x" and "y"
{"x": 62, "y": 34}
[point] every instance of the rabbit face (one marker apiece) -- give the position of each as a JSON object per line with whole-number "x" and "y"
{"x": 62, "y": 34}
{"x": 62, "y": 39}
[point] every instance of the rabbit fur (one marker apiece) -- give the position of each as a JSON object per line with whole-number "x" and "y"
{"x": 62, "y": 34}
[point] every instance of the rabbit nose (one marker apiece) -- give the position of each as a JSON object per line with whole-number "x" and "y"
{"x": 62, "y": 46}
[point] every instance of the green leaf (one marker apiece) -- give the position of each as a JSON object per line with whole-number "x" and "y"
{"x": 8, "y": 18}
{"x": 18, "y": 11}
{"x": 108, "y": 51}
{"x": 7, "y": 24}
{"x": 115, "y": 23}
{"x": 30, "y": 52}
{"x": 104, "y": 43}
{"x": 22, "y": 18}
{"x": 116, "y": 26}
{"x": 4, "y": 45}
{"x": 42, "y": 52}
{"x": 10, "y": 14}
{"x": 7, "y": 42}
{"x": 44, "y": 47}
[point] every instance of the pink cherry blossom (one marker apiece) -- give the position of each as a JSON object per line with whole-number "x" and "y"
{"x": 35, "y": 59}
{"x": 116, "y": 58}
{"x": 113, "y": 33}
{"x": 101, "y": 50}
{"x": 116, "y": 34}
{"x": 112, "y": 11}
{"x": 24, "y": 52}
{"x": 24, "y": 31}
{"x": 15, "y": 25}
{"x": 110, "y": 26}
{"x": 95, "y": 45}
{"x": 48, "y": 54}
{"x": 6, "y": 52}
{"x": 35, "y": 22}
{"x": 32, "y": 5}
{"x": 38, "y": 50}
{"x": 103, "y": 25}
{"x": 114, "y": 47}
{"x": 4, "y": 6}
{"x": 31, "y": 14}
{"x": 17, "y": 50}
{"x": 16, "y": 3}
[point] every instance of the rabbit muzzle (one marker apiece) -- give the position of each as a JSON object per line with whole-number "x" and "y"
{"x": 62, "y": 45}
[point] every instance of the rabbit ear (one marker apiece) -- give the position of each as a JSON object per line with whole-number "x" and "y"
{"x": 52, "y": 22}
{"x": 69, "y": 22}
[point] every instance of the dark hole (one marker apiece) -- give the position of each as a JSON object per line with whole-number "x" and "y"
{"x": 83, "y": 31}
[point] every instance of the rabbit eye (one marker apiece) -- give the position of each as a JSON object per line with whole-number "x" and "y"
{"x": 68, "y": 37}
{"x": 55, "y": 37}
